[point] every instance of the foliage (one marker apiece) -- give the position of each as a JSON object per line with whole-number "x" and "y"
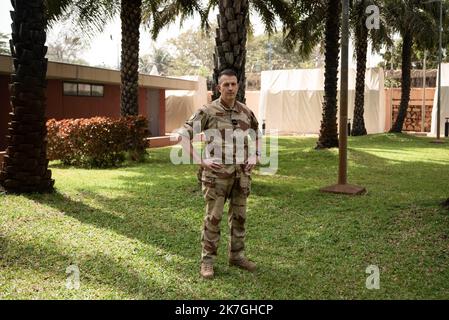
{"x": 419, "y": 19}
{"x": 159, "y": 58}
{"x": 96, "y": 142}
{"x": 66, "y": 48}
{"x": 4, "y": 43}
{"x": 134, "y": 231}
{"x": 159, "y": 14}
{"x": 308, "y": 30}
{"x": 192, "y": 52}
{"x": 90, "y": 16}
{"x": 417, "y": 22}
{"x": 269, "y": 53}
{"x": 392, "y": 57}
{"x": 392, "y": 83}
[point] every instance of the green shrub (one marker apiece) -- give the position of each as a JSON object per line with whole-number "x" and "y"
{"x": 98, "y": 141}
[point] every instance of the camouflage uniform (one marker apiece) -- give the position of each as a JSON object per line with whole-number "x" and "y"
{"x": 231, "y": 182}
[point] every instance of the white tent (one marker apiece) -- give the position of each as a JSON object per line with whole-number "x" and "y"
{"x": 181, "y": 104}
{"x": 444, "y": 105}
{"x": 291, "y": 100}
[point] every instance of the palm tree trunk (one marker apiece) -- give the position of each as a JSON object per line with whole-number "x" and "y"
{"x": 361, "y": 43}
{"x": 230, "y": 43}
{"x": 130, "y": 16}
{"x": 25, "y": 166}
{"x": 328, "y": 133}
{"x": 405, "y": 82}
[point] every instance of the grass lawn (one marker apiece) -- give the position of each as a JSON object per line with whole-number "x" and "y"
{"x": 134, "y": 231}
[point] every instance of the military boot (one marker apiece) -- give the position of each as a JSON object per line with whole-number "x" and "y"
{"x": 207, "y": 270}
{"x": 243, "y": 263}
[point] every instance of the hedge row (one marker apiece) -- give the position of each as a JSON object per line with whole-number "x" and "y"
{"x": 98, "y": 141}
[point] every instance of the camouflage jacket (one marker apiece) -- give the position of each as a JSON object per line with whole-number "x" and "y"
{"x": 228, "y": 132}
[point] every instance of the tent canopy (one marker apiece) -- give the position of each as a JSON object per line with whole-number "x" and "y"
{"x": 181, "y": 104}
{"x": 444, "y": 105}
{"x": 291, "y": 100}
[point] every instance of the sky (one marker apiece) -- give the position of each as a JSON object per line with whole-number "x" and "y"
{"x": 105, "y": 47}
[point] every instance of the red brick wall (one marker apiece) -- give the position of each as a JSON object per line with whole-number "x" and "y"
{"x": 64, "y": 107}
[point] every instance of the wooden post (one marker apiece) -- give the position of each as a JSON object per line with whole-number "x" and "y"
{"x": 342, "y": 186}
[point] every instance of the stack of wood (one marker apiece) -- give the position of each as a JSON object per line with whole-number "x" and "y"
{"x": 413, "y": 119}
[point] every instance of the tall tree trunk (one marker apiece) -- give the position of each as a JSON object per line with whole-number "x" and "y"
{"x": 328, "y": 133}
{"x": 361, "y": 43}
{"x": 130, "y": 16}
{"x": 230, "y": 43}
{"x": 405, "y": 82}
{"x": 25, "y": 166}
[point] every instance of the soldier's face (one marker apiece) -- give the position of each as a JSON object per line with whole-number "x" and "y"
{"x": 228, "y": 87}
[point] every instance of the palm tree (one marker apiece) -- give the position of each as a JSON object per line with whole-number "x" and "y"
{"x": 130, "y": 16}
{"x": 231, "y": 34}
{"x": 230, "y": 43}
{"x": 328, "y": 137}
{"x": 417, "y": 23}
{"x": 93, "y": 16}
{"x": 25, "y": 166}
{"x": 161, "y": 59}
{"x": 361, "y": 44}
{"x": 378, "y": 37}
{"x": 317, "y": 20}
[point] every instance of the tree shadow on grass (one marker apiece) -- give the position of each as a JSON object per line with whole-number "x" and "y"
{"x": 48, "y": 264}
{"x": 285, "y": 206}
{"x": 140, "y": 221}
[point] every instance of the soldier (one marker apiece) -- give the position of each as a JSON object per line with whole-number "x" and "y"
{"x": 226, "y": 169}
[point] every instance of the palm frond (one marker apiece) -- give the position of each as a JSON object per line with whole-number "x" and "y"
{"x": 266, "y": 15}
{"x": 169, "y": 11}
{"x": 90, "y": 15}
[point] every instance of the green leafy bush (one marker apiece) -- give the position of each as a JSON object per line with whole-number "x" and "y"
{"x": 98, "y": 141}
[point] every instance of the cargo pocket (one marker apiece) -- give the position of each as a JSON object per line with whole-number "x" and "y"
{"x": 245, "y": 184}
{"x": 208, "y": 187}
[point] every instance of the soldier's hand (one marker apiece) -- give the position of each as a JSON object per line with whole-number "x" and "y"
{"x": 251, "y": 163}
{"x": 211, "y": 165}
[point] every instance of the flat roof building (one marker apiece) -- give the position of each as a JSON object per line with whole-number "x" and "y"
{"x": 76, "y": 91}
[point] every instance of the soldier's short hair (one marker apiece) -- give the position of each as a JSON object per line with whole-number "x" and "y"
{"x": 228, "y": 72}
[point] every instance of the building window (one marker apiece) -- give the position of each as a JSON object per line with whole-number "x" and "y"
{"x": 97, "y": 90}
{"x": 70, "y": 89}
{"x": 83, "y": 89}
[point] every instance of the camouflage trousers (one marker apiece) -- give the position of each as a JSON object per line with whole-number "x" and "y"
{"x": 216, "y": 191}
